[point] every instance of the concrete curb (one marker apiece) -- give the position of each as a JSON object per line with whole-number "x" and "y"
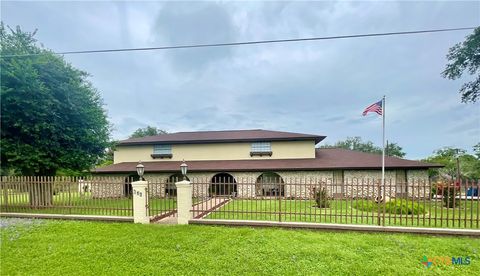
{"x": 340, "y": 227}
{"x": 73, "y": 217}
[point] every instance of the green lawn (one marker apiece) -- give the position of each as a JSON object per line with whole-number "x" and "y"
{"x": 88, "y": 248}
{"x": 344, "y": 211}
{"x": 85, "y": 204}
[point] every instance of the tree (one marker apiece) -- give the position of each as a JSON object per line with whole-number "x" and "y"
{"x": 469, "y": 164}
{"x": 393, "y": 149}
{"x": 476, "y": 149}
{"x": 141, "y": 132}
{"x": 356, "y": 143}
{"x": 52, "y": 116}
{"x": 147, "y": 131}
{"x": 108, "y": 157}
{"x": 465, "y": 56}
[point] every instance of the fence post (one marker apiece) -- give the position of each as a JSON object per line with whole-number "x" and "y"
{"x": 184, "y": 201}
{"x": 379, "y": 200}
{"x": 4, "y": 187}
{"x": 140, "y": 202}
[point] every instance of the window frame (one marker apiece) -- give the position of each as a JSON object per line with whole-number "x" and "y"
{"x": 165, "y": 152}
{"x": 261, "y": 148}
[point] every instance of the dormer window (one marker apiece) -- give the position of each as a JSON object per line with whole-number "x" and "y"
{"x": 261, "y": 148}
{"x": 162, "y": 151}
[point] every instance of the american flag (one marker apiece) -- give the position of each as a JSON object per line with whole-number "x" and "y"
{"x": 376, "y": 107}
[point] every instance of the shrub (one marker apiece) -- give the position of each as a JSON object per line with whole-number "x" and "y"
{"x": 434, "y": 190}
{"x": 449, "y": 192}
{"x": 321, "y": 198}
{"x": 393, "y": 207}
{"x": 404, "y": 207}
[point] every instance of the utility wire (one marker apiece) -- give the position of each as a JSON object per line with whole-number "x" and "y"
{"x": 245, "y": 43}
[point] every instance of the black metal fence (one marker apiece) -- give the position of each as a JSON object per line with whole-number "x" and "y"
{"x": 351, "y": 201}
{"x": 162, "y": 197}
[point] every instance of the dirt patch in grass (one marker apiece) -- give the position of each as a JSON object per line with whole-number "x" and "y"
{"x": 14, "y": 228}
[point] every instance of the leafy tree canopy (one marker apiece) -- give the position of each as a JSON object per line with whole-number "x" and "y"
{"x": 52, "y": 116}
{"x": 147, "y": 131}
{"x": 356, "y": 143}
{"x": 476, "y": 149}
{"x": 465, "y": 56}
{"x": 469, "y": 164}
{"x": 107, "y": 159}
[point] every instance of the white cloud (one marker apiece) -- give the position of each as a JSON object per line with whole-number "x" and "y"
{"x": 312, "y": 87}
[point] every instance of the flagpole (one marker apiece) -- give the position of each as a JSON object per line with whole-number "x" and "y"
{"x": 383, "y": 148}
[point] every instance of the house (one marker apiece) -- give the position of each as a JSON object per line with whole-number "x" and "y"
{"x": 251, "y": 162}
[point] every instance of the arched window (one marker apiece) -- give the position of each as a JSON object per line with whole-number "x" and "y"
{"x": 269, "y": 184}
{"x": 170, "y": 187}
{"x": 223, "y": 184}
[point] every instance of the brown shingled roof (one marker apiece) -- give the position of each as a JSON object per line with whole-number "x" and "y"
{"x": 325, "y": 159}
{"x": 221, "y": 136}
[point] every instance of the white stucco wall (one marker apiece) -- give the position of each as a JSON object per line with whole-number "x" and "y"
{"x": 215, "y": 151}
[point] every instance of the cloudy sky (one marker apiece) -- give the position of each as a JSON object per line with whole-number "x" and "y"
{"x": 318, "y": 87}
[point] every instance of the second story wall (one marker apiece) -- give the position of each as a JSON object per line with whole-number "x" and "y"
{"x": 216, "y": 151}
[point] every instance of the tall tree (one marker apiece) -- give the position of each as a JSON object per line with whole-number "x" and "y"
{"x": 476, "y": 149}
{"x": 356, "y": 143}
{"x": 147, "y": 131}
{"x": 465, "y": 57}
{"x": 52, "y": 116}
{"x": 393, "y": 149}
{"x": 107, "y": 159}
{"x": 141, "y": 132}
{"x": 469, "y": 164}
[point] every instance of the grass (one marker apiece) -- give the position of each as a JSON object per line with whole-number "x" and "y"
{"x": 87, "y": 248}
{"x": 85, "y": 204}
{"x": 348, "y": 211}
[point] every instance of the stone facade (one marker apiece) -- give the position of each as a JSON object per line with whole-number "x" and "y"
{"x": 293, "y": 184}
{"x": 419, "y": 183}
{"x": 246, "y": 183}
{"x": 201, "y": 182}
{"x": 365, "y": 183}
{"x": 303, "y": 184}
{"x": 157, "y": 184}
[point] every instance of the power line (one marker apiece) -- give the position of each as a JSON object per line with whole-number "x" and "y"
{"x": 246, "y": 42}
